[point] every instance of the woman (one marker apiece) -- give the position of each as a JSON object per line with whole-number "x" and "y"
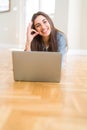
{"x": 43, "y": 36}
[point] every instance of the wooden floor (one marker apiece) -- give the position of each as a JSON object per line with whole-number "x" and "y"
{"x": 41, "y": 105}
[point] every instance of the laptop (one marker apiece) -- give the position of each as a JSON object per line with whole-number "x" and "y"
{"x": 36, "y": 66}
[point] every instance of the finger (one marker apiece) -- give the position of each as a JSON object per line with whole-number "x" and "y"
{"x": 35, "y": 34}
{"x": 30, "y": 25}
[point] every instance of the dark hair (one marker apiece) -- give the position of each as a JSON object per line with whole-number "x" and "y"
{"x": 36, "y": 44}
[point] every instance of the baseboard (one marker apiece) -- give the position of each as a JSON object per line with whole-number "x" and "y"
{"x": 77, "y": 52}
{"x": 9, "y": 46}
{"x": 70, "y": 51}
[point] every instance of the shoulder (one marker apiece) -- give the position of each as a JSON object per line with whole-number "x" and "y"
{"x": 61, "y": 38}
{"x": 60, "y": 35}
{"x": 62, "y": 41}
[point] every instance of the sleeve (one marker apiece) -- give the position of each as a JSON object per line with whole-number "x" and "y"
{"x": 62, "y": 45}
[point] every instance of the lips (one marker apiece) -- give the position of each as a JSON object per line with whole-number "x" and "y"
{"x": 45, "y": 31}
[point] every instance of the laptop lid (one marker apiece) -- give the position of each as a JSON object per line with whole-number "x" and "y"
{"x": 36, "y": 66}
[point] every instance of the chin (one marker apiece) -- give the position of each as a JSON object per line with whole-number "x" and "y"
{"x": 47, "y": 34}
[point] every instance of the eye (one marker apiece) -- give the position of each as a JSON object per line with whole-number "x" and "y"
{"x": 37, "y": 25}
{"x": 44, "y": 21}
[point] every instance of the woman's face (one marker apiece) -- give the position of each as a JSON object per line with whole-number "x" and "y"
{"x": 42, "y": 26}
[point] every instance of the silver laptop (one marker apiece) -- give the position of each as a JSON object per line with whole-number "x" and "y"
{"x": 36, "y": 66}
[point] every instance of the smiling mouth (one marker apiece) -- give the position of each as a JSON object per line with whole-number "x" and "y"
{"x": 45, "y": 31}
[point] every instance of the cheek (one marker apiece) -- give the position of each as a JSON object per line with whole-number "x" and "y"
{"x": 38, "y": 29}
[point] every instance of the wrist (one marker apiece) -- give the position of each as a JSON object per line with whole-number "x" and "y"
{"x": 27, "y": 47}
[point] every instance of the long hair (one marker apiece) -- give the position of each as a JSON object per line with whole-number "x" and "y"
{"x": 36, "y": 44}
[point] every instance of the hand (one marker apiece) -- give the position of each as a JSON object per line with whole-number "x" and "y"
{"x": 31, "y": 33}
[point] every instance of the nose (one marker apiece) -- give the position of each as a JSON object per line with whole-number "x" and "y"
{"x": 43, "y": 26}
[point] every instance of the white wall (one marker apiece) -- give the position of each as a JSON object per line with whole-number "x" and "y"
{"x": 83, "y": 44}
{"x": 77, "y": 27}
{"x": 9, "y": 25}
{"x": 75, "y": 23}
{"x": 71, "y": 17}
{"x": 12, "y": 25}
{"x": 61, "y": 15}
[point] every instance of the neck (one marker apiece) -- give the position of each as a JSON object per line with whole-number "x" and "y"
{"x": 45, "y": 40}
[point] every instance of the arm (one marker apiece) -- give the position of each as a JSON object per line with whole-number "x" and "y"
{"x": 30, "y": 36}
